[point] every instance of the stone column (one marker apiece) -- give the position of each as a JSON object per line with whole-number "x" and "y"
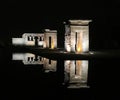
{"x": 72, "y": 70}
{"x": 73, "y": 41}
{"x": 85, "y": 41}
{"x": 26, "y": 39}
{"x": 45, "y": 42}
{"x": 84, "y": 72}
{"x": 55, "y": 40}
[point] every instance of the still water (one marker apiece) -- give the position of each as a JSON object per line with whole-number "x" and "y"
{"x": 73, "y": 72}
{"x": 26, "y": 75}
{"x": 30, "y": 75}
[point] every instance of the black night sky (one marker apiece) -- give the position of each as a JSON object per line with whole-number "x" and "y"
{"x": 25, "y": 17}
{"x": 19, "y": 17}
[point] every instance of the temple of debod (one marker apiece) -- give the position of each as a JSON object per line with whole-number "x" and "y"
{"x": 48, "y": 39}
{"x": 76, "y": 41}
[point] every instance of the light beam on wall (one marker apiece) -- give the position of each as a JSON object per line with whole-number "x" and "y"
{"x": 52, "y": 44}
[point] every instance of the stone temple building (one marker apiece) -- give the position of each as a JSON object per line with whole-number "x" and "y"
{"x": 77, "y": 36}
{"x": 76, "y": 42}
{"x": 48, "y": 39}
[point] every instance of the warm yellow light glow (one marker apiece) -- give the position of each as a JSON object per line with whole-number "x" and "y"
{"x": 52, "y": 44}
{"x": 79, "y": 46}
{"x": 78, "y": 67}
{"x": 79, "y": 43}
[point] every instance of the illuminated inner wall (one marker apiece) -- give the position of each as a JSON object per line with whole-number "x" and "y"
{"x": 77, "y": 36}
{"x": 76, "y": 72}
{"x": 67, "y": 38}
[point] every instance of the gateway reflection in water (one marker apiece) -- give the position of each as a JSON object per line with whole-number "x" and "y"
{"x": 32, "y": 59}
{"x": 76, "y": 72}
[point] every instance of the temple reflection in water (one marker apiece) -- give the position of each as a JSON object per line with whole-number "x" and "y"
{"x": 32, "y": 59}
{"x": 76, "y": 41}
{"x": 76, "y": 72}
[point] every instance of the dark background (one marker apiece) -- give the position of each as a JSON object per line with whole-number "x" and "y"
{"x": 18, "y": 17}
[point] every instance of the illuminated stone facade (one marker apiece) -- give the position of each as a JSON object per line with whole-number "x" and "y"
{"x": 33, "y": 39}
{"x": 31, "y": 59}
{"x": 76, "y": 73}
{"x": 48, "y": 39}
{"x": 76, "y": 40}
{"x": 77, "y": 36}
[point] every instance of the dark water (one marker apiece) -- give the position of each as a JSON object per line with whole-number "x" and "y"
{"x": 32, "y": 82}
